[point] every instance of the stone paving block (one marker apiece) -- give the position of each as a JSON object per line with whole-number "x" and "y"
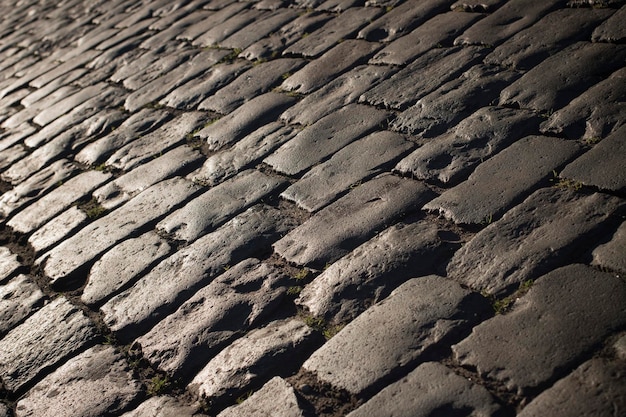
{"x": 162, "y": 65}
{"x": 66, "y": 260}
{"x": 163, "y": 406}
{"x": 67, "y": 104}
{"x": 429, "y": 389}
{"x": 143, "y": 60}
{"x": 507, "y": 20}
{"x": 339, "y": 92}
{"x": 46, "y": 338}
{"x": 13, "y": 136}
{"x": 340, "y": 227}
{"x": 371, "y": 271}
{"x": 450, "y": 157}
{"x": 56, "y": 201}
{"x": 611, "y": 254}
{"x": 4, "y": 410}
{"x": 473, "y": 6}
{"x": 244, "y": 153}
{"x": 436, "y": 32}
{"x": 335, "y": 30}
{"x": 28, "y": 113}
{"x": 94, "y": 383}
{"x": 57, "y": 229}
{"x": 126, "y": 34}
{"x": 179, "y": 160}
{"x": 401, "y": 19}
{"x": 356, "y": 162}
{"x": 422, "y": 76}
{"x": 246, "y": 119}
{"x": 263, "y": 26}
{"x": 325, "y": 137}
{"x": 432, "y": 114}
{"x": 209, "y": 210}
{"x": 548, "y": 36}
{"x": 324, "y": 69}
{"x": 238, "y": 22}
{"x": 602, "y": 166}
{"x": 507, "y": 178}
{"x": 277, "y": 398}
{"x": 156, "y": 295}
{"x": 220, "y": 15}
{"x": 612, "y": 30}
{"x": 562, "y": 77}
{"x": 19, "y": 297}
{"x": 620, "y": 347}
{"x": 177, "y": 26}
{"x": 394, "y": 333}
{"x": 216, "y": 314}
{"x": 9, "y": 264}
{"x": 122, "y": 264}
{"x": 255, "y": 357}
{"x": 257, "y": 80}
{"x": 116, "y": 52}
{"x": 548, "y": 330}
{"x": 50, "y": 73}
{"x": 11, "y": 155}
{"x": 36, "y": 96}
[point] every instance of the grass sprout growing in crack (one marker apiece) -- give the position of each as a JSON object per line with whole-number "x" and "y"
{"x": 503, "y": 305}
{"x": 158, "y": 385}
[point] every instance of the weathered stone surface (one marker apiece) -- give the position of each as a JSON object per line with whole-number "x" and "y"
{"x": 439, "y": 30}
{"x": 371, "y": 271}
{"x": 162, "y": 65}
{"x": 13, "y": 136}
{"x": 56, "y": 229}
{"x": 209, "y": 21}
{"x": 472, "y": 6}
{"x": 35, "y": 97}
{"x": 47, "y": 337}
{"x": 94, "y": 383}
{"x": 246, "y": 119}
{"x": 253, "y": 358}
{"x": 611, "y": 254}
{"x": 325, "y": 137}
{"x": 4, "y": 410}
{"x": 620, "y": 347}
{"x": 67, "y": 104}
{"x": 451, "y": 156}
{"x": 30, "y": 112}
{"x": 123, "y": 264}
{"x": 156, "y": 294}
{"x": 163, "y": 406}
{"x": 215, "y": 35}
{"x": 264, "y": 25}
{"x": 18, "y": 299}
{"x": 319, "y": 72}
{"x": 612, "y": 30}
{"x": 562, "y": 77}
{"x": 9, "y": 156}
{"x": 351, "y": 220}
{"x": 546, "y": 332}
{"x": 9, "y": 263}
{"x": 257, "y": 80}
{"x": 79, "y": 250}
{"x": 394, "y": 333}
{"x": 429, "y": 389}
{"x": 548, "y": 36}
{"x": 216, "y": 314}
{"x": 498, "y": 183}
{"x": 209, "y": 210}
{"x": 277, "y": 398}
{"x": 542, "y": 233}
{"x": 359, "y": 160}
{"x": 602, "y": 166}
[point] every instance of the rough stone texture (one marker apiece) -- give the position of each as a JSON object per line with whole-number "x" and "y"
{"x": 277, "y": 398}
{"x": 498, "y": 183}
{"x": 94, "y": 383}
{"x": 476, "y": 5}
{"x": 371, "y": 271}
{"x": 602, "y": 166}
{"x": 162, "y": 406}
{"x": 429, "y": 389}
{"x": 325, "y": 137}
{"x": 450, "y": 157}
{"x": 351, "y": 220}
{"x": 215, "y": 35}
{"x": 262, "y": 27}
{"x": 358, "y": 161}
{"x": 164, "y": 64}
{"x": 209, "y": 210}
{"x": 217, "y": 313}
{"x": 9, "y": 264}
{"x": 49, "y": 336}
{"x": 612, "y": 30}
{"x": 620, "y": 347}
{"x": 18, "y": 299}
{"x": 546, "y": 332}
{"x": 56, "y": 229}
{"x": 67, "y": 104}
{"x": 30, "y": 112}
{"x": 394, "y": 333}
{"x": 611, "y": 254}
{"x": 545, "y": 231}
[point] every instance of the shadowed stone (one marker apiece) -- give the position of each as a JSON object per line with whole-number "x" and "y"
{"x": 276, "y": 398}
{"x": 19, "y": 298}
{"x": 473, "y": 6}
{"x": 548, "y": 330}
{"x": 263, "y": 26}
{"x": 9, "y": 263}
{"x": 164, "y": 64}
{"x": 240, "y": 21}
{"x": 612, "y": 30}
{"x": 56, "y": 229}
{"x": 162, "y": 406}
{"x": 611, "y": 254}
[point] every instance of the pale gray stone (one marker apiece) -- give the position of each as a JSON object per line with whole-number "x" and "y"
{"x": 260, "y": 28}
{"x": 67, "y": 104}
{"x": 277, "y": 399}
{"x": 611, "y": 254}
{"x": 56, "y": 229}
{"x": 19, "y": 297}
{"x": 219, "y": 32}
{"x": 481, "y": 6}
{"x": 163, "y": 406}
{"x": 28, "y": 113}
{"x": 9, "y": 263}
{"x": 162, "y": 65}
{"x": 620, "y": 347}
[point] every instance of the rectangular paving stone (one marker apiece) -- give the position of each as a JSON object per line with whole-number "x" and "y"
{"x": 9, "y": 264}
{"x": 67, "y": 104}
{"x": 46, "y": 338}
{"x": 277, "y": 398}
{"x": 356, "y": 162}
{"x": 143, "y": 60}
{"x": 340, "y": 227}
{"x": 11, "y": 155}
{"x": 221, "y": 14}
{"x": 610, "y": 255}
{"x": 28, "y": 113}
{"x": 65, "y": 67}
{"x": 325, "y": 137}
{"x": 19, "y": 298}
{"x": 164, "y": 404}
{"x": 394, "y": 334}
{"x": 36, "y": 96}
{"x": 508, "y": 177}
{"x": 13, "y": 136}
{"x": 184, "y": 20}
{"x": 542, "y": 233}
{"x": 545, "y": 333}
{"x": 476, "y": 6}
{"x": 218, "y": 33}
{"x": 612, "y": 30}
{"x": 56, "y": 229}
{"x": 162, "y": 65}
{"x": 260, "y": 28}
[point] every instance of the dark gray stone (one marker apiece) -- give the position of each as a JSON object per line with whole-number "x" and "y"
{"x": 611, "y": 254}
{"x": 356, "y": 162}
{"x": 602, "y": 166}
{"x": 186, "y": 19}
{"x": 472, "y": 6}
{"x": 218, "y": 33}
{"x": 94, "y": 383}
{"x": 18, "y": 299}
{"x": 49, "y": 336}
{"x": 163, "y": 406}
{"x": 276, "y": 398}
{"x": 57, "y": 229}
{"x": 620, "y": 347}
{"x": 125, "y": 34}
{"x": 325, "y": 137}
{"x": 427, "y": 390}
{"x": 548, "y": 330}
{"x": 162, "y": 65}
{"x": 9, "y": 264}
{"x": 498, "y": 183}
{"x": 394, "y": 333}
{"x": 450, "y": 157}
{"x": 222, "y": 14}
{"x": 263, "y": 26}
{"x": 143, "y": 60}
{"x": 334, "y": 231}
{"x": 612, "y": 30}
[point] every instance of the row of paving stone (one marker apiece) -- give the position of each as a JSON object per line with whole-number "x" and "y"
{"x": 316, "y": 203}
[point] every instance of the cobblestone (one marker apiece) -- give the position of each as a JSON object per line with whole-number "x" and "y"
{"x": 609, "y": 255}
{"x": 276, "y": 398}
{"x": 9, "y": 264}
{"x": 19, "y": 298}
{"x": 611, "y": 30}
{"x": 164, "y": 406}
{"x": 56, "y": 229}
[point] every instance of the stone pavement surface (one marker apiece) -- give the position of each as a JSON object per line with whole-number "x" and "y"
{"x": 312, "y": 208}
